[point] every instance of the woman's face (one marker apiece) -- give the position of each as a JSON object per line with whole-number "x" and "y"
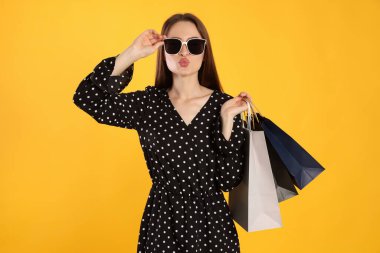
{"x": 183, "y": 30}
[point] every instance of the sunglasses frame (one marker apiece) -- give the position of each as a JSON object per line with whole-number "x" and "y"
{"x": 185, "y": 43}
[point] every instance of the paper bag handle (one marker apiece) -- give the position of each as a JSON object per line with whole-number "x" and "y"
{"x": 251, "y": 107}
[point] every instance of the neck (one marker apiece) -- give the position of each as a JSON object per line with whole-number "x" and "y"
{"x": 185, "y": 87}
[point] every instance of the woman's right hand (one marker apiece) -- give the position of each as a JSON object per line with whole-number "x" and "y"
{"x": 147, "y": 43}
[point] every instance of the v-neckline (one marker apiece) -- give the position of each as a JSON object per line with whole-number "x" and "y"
{"x": 196, "y": 115}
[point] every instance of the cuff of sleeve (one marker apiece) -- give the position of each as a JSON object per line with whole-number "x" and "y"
{"x": 101, "y": 76}
{"x": 231, "y": 146}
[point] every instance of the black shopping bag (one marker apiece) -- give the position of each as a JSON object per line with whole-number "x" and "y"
{"x": 302, "y": 167}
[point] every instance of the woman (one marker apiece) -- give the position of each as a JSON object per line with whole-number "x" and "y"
{"x": 190, "y": 131}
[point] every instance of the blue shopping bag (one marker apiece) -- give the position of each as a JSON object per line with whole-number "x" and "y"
{"x": 302, "y": 167}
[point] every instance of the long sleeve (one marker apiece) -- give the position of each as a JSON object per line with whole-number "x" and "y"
{"x": 229, "y": 155}
{"x": 98, "y": 94}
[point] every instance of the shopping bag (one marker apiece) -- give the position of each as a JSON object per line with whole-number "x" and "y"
{"x": 284, "y": 184}
{"x": 283, "y": 181}
{"x": 254, "y": 202}
{"x": 302, "y": 167}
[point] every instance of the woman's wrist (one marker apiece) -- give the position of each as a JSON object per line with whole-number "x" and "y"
{"x": 226, "y": 116}
{"x": 124, "y": 60}
{"x": 227, "y": 124}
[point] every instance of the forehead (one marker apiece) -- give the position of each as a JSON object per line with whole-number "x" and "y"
{"x": 184, "y": 30}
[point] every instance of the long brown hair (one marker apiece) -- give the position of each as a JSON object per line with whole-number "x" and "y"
{"x": 207, "y": 74}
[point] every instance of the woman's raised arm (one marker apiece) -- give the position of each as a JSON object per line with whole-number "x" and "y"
{"x": 99, "y": 93}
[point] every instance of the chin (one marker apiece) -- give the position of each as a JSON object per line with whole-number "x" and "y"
{"x": 185, "y": 71}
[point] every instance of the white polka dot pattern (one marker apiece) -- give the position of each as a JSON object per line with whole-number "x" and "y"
{"x": 99, "y": 95}
{"x": 189, "y": 165}
{"x": 230, "y": 156}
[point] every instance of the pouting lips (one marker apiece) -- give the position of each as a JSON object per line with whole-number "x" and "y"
{"x": 184, "y": 61}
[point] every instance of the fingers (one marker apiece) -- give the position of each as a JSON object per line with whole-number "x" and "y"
{"x": 153, "y": 34}
{"x": 244, "y": 94}
{"x": 154, "y": 40}
{"x": 242, "y": 106}
{"x": 150, "y": 33}
{"x": 239, "y": 98}
{"x": 156, "y": 37}
{"x": 241, "y": 102}
{"x": 158, "y": 44}
{"x": 245, "y": 107}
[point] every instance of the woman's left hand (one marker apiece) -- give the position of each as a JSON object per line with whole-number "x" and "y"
{"x": 235, "y": 105}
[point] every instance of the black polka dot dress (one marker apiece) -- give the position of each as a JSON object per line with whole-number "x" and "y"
{"x": 190, "y": 165}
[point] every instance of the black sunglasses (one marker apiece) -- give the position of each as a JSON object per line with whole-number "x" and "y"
{"x": 194, "y": 45}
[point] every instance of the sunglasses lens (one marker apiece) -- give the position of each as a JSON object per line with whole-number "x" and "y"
{"x": 172, "y": 46}
{"x": 196, "y": 46}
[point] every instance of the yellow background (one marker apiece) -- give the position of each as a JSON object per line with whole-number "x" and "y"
{"x": 71, "y": 185}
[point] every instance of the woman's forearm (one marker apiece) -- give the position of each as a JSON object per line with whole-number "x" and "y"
{"x": 227, "y": 124}
{"x": 124, "y": 60}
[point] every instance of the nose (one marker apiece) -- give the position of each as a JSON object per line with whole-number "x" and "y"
{"x": 182, "y": 51}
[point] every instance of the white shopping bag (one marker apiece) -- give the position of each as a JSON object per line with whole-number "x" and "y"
{"x": 254, "y": 202}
